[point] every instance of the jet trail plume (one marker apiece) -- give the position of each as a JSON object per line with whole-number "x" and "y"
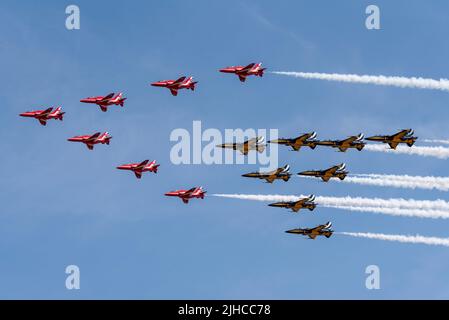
{"x": 400, "y": 238}
{"x": 436, "y": 141}
{"x": 397, "y": 207}
{"x": 402, "y": 82}
{"x": 437, "y": 152}
{"x": 400, "y": 181}
{"x": 416, "y": 213}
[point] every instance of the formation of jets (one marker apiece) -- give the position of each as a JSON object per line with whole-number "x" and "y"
{"x": 43, "y": 115}
{"x": 343, "y": 145}
{"x": 91, "y": 140}
{"x": 253, "y": 69}
{"x": 353, "y": 142}
{"x": 280, "y": 173}
{"x": 105, "y": 101}
{"x": 304, "y": 140}
{"x": 403, "y": 136}
{"x": 295, "y": 206}
{"x": 175, "y": 85}
{"x": 139, "y": 168}
{"x": 256, "y": 144}
{"x": 186, "y": 195}
{"x": 312, "y": 233}
{"x": 337, "y": 171}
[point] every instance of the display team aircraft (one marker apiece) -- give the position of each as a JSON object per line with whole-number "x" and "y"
{"x": 280, "y": 173}
{"x": 247, "y": 146}
{"x": 175, "y": 85}
{"x": 305, "y": 140}
{"x": 337, "y": 171}
{"x": 403, "y": 136}
{"x": 312, "y": 233}
{"x": 295, "y": 206}
{"x": 185, "y": 195}
{"x": 139, "y": 168}
{"x": 105, "y": 101}
{"x": 91, "y": 140}
{"x": 343, "y": 145}
{"x": 44, "y": 115}
{"x": 253, "y": 69}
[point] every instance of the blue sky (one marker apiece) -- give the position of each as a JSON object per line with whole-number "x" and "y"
{"x": 62, "y": 205}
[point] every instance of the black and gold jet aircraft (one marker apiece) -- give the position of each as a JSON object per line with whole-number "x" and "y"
{"x": 247, "y": 146}
{"x": 343, "y": 145}
{"x": 295, "y": 206}
{"x": 305, "y": 140}
{"x": 312, "y": 233}
{"x": 403, "y": 136}
{"x": 279, "y": 173}
{"x": 337, "y": 171}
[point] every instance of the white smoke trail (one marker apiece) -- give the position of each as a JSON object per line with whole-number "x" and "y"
{"x": 436, "y": 141}
{"x": 437, "y": 152}
{"x": 417, "y": 213}
{"x": 399, "y": 207}
{"x": 400, "y": 238}
{"x": 400, "y": 181}
{"x": 403, "y": 82}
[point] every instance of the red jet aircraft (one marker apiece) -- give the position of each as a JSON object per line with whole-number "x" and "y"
{"x": 242, "y": 72}
{"x": 91, "y": 140}
{"x": 175, "y": 85}
{"x": 185, "y": 195}
{"x": 44, "y": 115}
{"x": 105, "y": 102}
{"x": 139, "y": 168}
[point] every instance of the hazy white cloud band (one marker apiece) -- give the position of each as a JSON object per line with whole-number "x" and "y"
{"x": 402, "y": 82}
{"x": 400, "y": 238}
{"x": 437, "y": 152}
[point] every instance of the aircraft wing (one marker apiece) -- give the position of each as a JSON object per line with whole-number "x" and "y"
{"x": 251, "y": 142}
{"x": 189, "y": 192}
{"x": 46, "y": 112}
{"x": 332, "y": 170}
{"x": 349, "y": 140}
{"x": 247, "y": 68}
{"x": 94, "y": 136}
{"x": 254, "y": 141}
{"x": 322, "y": 226}
{"x": 109, "y": 96}
{"x": 142, "y": 164}
{"x": 400, "y": 134}
{"x": 180, "y": 80}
